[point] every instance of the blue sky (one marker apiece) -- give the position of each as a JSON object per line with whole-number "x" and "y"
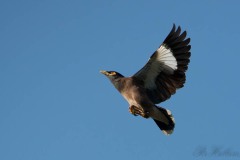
{"x": 54, "y": 103}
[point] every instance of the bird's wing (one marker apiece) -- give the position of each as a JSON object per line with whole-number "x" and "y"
{"x": 164, "y": 73}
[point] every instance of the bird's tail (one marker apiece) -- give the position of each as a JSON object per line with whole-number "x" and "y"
{"x": 164, "y": 120}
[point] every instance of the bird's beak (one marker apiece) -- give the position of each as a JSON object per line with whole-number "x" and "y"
{"x": 104, "y": 72}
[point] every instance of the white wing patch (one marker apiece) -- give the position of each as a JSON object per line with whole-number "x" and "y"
{"x": 163, "y": 61}
{"x": 166, "y": 57}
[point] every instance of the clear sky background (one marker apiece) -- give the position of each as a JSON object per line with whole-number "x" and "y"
{"x": 54, "y": 103}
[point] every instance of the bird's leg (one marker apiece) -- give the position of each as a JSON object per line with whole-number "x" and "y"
{"x": 138, "y": 111}
{"x": 145, "y": 114}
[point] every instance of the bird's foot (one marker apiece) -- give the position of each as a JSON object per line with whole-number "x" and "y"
{"x": 134, "y": 110}
{"x": 138, "y": 111}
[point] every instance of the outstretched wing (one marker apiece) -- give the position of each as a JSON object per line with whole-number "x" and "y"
{"x": 165, "y": 71}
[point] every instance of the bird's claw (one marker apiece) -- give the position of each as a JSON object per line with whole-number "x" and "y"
{"x": 138, "y": 111}
{"x": 133, "y": 110}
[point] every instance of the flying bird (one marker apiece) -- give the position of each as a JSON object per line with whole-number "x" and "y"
{"x": 161, "y": 76}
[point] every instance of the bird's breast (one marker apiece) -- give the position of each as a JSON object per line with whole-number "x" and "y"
{"x": 133, "y": 96}
{"x": 129, "y": 98}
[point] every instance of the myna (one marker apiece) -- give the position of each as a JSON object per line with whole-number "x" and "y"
{"x": 163, "y": 74}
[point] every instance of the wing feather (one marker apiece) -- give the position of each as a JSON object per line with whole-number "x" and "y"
{"x": 164, "y": 73}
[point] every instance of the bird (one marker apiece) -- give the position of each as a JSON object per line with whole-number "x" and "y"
{"x": 160, "y": 78}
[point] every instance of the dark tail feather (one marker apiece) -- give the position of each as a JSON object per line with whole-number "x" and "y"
{"x": 166, "y": 126}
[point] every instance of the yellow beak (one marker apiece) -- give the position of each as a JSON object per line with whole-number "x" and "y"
{"x": 104, "y": 72}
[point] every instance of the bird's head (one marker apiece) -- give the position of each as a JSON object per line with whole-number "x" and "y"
{"x": 115, "y": 78}
{"x": 112, "y": 75}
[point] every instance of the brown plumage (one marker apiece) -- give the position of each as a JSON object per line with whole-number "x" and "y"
{"x": 163, "y": 74}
